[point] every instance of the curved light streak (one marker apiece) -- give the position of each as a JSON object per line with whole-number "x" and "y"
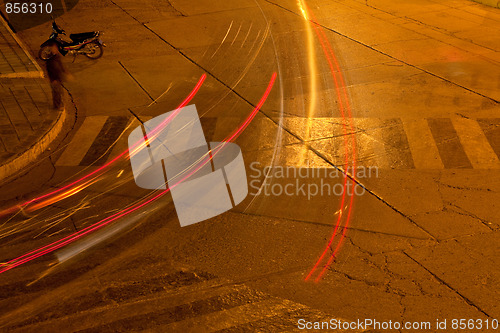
{"x": 79, "y": 234}
{"x": 68, "y": 190}
{"x": 344, "y": 106}
{"x": 311, "y": 55}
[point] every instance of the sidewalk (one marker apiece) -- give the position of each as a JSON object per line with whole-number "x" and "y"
{"x": 492, "y": 3}
{"x": 28, "y": 124}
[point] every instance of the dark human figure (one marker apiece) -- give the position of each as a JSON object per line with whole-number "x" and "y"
{"x": 57, "y": 75}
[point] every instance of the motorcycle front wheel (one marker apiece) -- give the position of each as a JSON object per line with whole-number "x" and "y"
{"x": 93, "y": 50}
{"x": 45, "y": 53}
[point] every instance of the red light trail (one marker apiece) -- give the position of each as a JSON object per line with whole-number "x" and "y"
{"x": 344, "y": 105}
{"x": 77, "y": 235}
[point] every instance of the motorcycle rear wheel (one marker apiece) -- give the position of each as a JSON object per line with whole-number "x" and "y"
{"x": 93, "y": 50}
{"x": 45, "y": 53}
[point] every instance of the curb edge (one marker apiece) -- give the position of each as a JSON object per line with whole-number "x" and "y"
{"x": 33, "y": 152}
{"x": 491, "y": 3}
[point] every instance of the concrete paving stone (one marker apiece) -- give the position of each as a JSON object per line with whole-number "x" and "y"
{"x": 417, "y": 58}
{"x": 410, "y": 51}
{"x": 32, "y": 114}
{"x": 5, "y": 155}
{"x": 375, "y": 217}
{"x": 449, "y": 223}
{"x": 463, "y": 44}
{"x": 20, "y": 111}
{"x": 483, "y": 11}
{"x": 447, "y": 21}
{"x": 158, "y": 77}
{"x": 481, "y": 287}
{"x": 462, "y": 13}
{"x": 485, "y": 83}
{"x": 203, "y": 34}
{"x": 453, "y": 3}
{"x": 207, "y": 6}
{"x": 8, "y": 66}
{"x": 13, "y": 58}
{"x": 118, "y": 91}
{"x": 49, "y": 121}
{"x": 408, "y": 8}
{"x": 4, "y": 117}
{"x": 389, "y": 71}
{"x": 4, "y": 121}
{"x": 485, "y": 36}
{"x": 7, "y": 130}
{"x": 476, "y": 189}
{"x": 6, "y": 53}
{"x": 154, "y": 10}
{"x": 15, "y": 115}
{"x": 362, "y": 7}
{"x": 491, "y": 129}
{"x": 369, "y": 34}
{"x": 20, "y": 68}
{"x": 10, "y": 142}
{"x": 406, "y": 290}
{"x": 9, "y": 51}
{"x": 3, "y": 152}
{"x": 23, "y": 129}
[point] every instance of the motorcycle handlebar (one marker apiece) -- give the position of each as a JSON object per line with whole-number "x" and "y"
{"x": 57, "y": 29}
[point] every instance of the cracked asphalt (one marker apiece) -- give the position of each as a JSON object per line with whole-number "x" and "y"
{"x": 421, "y": 243}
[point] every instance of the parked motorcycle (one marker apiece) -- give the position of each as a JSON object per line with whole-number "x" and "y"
{"x": 86, "y": 43}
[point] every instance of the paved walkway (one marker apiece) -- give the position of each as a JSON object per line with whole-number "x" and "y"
{"x": 14, "y": 61}
{"x": 26, "y": 114}
{"x": 493, "y": 3}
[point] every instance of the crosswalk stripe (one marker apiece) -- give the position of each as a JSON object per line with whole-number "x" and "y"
{"x": 208, "y": 124}
{"x": 100, "y": 149}
{"x": 288, "y": 321}
{"x": 150, "y": 311}
{"x": 399, "y": 143}
{"x": 374, "y": 129}
{"x": 235, "y": 316}
{"x": 448, "y": 144}
{"x": 121, "y": 143}
{"x": 491, "y": 129}
{"x": 422, "y": 145}
{"x": 396, "y": 144}
{"x": 366, "y": 152}
{"x": 182, "y": 300}
{"x": 475, "y": 144}
{"x": 82, "y": 141}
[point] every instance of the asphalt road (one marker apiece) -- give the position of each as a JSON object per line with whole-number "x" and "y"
{"x": 408, "y": 94}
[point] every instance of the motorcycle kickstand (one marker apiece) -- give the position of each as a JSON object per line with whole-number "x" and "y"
{"x": 74, "y": 57}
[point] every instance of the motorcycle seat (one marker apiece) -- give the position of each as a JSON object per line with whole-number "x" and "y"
{"x": 82, "y": 36}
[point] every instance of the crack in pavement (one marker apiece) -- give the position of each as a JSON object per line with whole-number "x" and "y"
{"x": 450, "y": 33}
{"x": 136, "y": 81}
{"x": 435, "y": 28}
{"x": 465, "y": 187}
{"x": 463, "y": 297}
{"x": 330, "y": 225}
{"x": 176, "y": 11}
{"x": 459, "y": 210}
